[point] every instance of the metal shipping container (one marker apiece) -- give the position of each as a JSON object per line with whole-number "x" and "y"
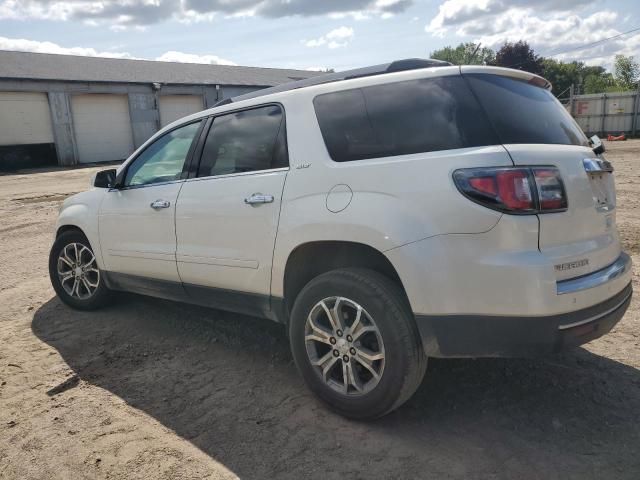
{"x": 606, "y": 113}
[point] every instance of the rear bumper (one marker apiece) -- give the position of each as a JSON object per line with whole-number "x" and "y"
{"x": 619, "y": 268}
{"x": 503, "y": 336}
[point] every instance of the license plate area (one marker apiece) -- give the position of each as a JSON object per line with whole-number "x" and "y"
{"x": 599, "y": 173}
{"x": 600, "y": 186}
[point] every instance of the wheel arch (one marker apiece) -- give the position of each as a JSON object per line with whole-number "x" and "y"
{"x": 68, "y": 228}
{"x": 68, "y": 225}
{"x": 308, "y": 260}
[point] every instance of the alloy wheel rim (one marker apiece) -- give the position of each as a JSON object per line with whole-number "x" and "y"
{"x": 78, "y": 271}
{"x": 344, "y": 346}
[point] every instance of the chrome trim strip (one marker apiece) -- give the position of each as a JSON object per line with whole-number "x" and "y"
{"x": 597, "y": 165}
{"x": 595, "y": 317}
{"x": 144, "y": 185}
{"x": 224, "y": 262}
{"x": 169, "y": 257}
{"x": 239, "y": 174}
{"x": 618, "y": 268}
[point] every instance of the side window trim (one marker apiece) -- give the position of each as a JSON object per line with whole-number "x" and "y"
{"x": 238, "y": 174}
{"x": 197, "y": 158}
{"x": 185, "y": 168}
{"x": 193, "y": 174}
{"x": 282, "y": 131}
{"x": 193, "y": 160}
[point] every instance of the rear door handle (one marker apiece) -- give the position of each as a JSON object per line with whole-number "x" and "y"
{"x": 158, "y": 204}
{"x": 257, "y": 198}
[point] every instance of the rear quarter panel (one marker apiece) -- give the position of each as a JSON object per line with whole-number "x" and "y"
{"x": 395, "y": 200}
{"x": 582, "y": 232}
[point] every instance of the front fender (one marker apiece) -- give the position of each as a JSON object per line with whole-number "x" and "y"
{"x": 81, "y": 211}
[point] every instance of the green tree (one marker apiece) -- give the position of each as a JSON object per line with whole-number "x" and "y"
{"x": 598, "y": 83}
{"x": 586, "y": 79}
{"x": 562, "y": 75}
{"x": 626, "y": 72}
{"x": 521, "y": 56}
{"x": 594, "y": 70}
{"x": 465, "y": 54}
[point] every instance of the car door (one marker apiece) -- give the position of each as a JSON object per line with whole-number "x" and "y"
{"x": 227, "y": 216}
{"x": 137, "y": 219}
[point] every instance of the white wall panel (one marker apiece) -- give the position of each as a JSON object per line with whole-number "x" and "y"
{"x": 173, "y": 107}
{"x": 102, "y": 127}
{"x": 24, "y": 118}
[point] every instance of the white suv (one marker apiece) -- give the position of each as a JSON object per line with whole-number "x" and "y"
{"x": 385, "y": 215}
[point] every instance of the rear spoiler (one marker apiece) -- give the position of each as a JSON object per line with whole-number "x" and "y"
{"x": 508, "y": 72}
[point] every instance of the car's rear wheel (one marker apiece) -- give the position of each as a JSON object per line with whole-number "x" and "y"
{"x": 354, "y": 340}
{"x": 74, "y": 272}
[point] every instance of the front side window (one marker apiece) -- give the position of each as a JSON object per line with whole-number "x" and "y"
{"x": 401, "y": 118}
{"x": 163, "y": 160}
{"x": 245, "y": 141}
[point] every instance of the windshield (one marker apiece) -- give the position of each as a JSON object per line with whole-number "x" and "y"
{"x": 524, "y": 113}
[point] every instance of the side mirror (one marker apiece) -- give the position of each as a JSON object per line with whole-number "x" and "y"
{"x": 105, "y": 178}
{"x": 596, "y": 145}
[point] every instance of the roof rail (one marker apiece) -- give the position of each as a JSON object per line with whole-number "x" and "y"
{"x": 396, "y": 66}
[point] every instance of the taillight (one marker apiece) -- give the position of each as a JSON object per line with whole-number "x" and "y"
{"x": 550, "y": 189}
{"x": 516, "y": 190}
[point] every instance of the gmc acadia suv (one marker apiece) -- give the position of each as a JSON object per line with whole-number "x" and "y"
{"x": 385, "y": 215}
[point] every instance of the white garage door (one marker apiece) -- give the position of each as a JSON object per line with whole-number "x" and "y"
{"x": 24, "y": 118}
{"x": 102, "y": 126}
{"x": 173, "y": 107}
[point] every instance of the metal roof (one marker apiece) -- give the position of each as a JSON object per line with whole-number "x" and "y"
{"x": 44, "y": 66}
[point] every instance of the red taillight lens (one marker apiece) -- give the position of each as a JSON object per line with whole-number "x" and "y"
{"x": 485, "y": 185}
{"x": 514, "y": 190}
{"x": 518, "y": 190}
{"x": 550, "y": 189}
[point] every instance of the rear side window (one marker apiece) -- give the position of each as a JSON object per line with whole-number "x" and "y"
{"x": 401, "y": 118}
{"x": 524, "y": 113}
{"x": 245, "y": 141}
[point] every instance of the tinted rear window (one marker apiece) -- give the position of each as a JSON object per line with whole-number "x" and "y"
{"x": 401, "y": 118}
{"x": 524, "y": 113}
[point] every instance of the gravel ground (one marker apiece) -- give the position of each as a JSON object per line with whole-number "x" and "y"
{"x": 154, "y": 389}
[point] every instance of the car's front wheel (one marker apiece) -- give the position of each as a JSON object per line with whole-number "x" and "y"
{"x": 354, "y": 340}
{"x": 74, "y": 272}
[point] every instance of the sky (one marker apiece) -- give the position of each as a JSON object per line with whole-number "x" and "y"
{"x": 315, "y": 34}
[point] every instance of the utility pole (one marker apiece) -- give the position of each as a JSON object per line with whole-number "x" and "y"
{"x": 473, "y": 55}
{"x": 571, "y": 93}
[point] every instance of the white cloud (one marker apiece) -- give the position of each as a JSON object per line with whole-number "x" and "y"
{"x": 181, "y": 57}
{"x": 130, "y": 13}
{"x": 559, "y": 33}
{"x": 357, "y": 15}
{"x": 456, "y": 12}
{"x": 23, "y": 45}
{"x": 545, "y": 24}
{"x": 336, "y": 38}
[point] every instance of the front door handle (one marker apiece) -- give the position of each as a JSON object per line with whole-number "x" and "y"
{"x": 257, "y": 198}
{"x": 158, "y": 204}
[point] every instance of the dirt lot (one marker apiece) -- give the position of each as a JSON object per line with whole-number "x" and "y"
{"x": 153, "y": 389}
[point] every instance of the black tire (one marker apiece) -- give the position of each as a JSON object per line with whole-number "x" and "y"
{"x": 99, "y": 297}
{"x": 404, "y": 363}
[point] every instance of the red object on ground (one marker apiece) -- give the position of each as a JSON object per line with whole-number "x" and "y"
{"x": 612, "y": 138}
